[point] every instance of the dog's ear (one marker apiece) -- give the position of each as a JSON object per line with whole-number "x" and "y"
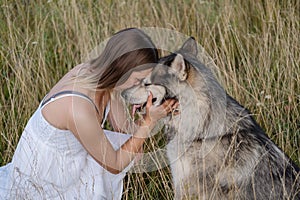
{"x": 190, "y": 46}
{"x": 179, "y": 67}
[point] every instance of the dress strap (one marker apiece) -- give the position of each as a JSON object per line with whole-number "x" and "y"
{"x": 67, "y": 93}
{"x": 107, "y": 109}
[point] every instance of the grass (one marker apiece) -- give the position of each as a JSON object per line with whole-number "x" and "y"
{"x": 255, "y": 45}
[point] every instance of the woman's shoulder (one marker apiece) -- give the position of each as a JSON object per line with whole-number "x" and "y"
{"x": 60, "y": 106}
{"x": 56, "y": 111}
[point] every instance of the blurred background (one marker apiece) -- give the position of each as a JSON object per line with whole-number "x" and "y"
{"x": 254, "y": 44}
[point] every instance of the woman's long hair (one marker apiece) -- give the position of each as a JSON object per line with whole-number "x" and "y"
{"x": 126, "y": 51}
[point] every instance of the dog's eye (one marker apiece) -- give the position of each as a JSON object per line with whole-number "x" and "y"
{"x": 146, "y": 82}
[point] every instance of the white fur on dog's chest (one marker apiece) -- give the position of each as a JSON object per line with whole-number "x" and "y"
{"x": 180, "y": 165}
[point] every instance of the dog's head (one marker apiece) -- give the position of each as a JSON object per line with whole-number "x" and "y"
{"x": 163, "y": 81}
{"x": 173, "y": 71}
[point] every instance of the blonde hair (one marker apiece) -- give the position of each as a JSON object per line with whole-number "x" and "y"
{"x": 126, "y": 51}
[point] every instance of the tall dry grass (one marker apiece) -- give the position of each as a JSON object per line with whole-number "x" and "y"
{"x": 255, "y": 45}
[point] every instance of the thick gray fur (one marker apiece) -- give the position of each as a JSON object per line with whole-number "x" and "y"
{"x": 215, "y": 148}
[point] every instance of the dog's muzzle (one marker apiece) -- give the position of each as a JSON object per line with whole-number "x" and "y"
{"x": 137, "y": 96}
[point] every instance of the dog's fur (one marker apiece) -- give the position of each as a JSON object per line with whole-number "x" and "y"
{"x": 216, "y": 149}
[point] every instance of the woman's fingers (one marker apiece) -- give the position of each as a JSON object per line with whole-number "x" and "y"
{"x": 175, "y": 110}
{"x": 149, "y": 100}
{"x": 176, "y": 105}
{"x": 154, "y": 113}
{"x": 170, "y": 105}
{"x": 147, "y": 117}
{"x": 173, "y": 107}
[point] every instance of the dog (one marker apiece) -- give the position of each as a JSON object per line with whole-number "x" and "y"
{"x": 215, "y": 147}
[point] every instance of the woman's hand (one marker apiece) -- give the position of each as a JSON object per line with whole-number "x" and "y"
{"x": 155, "y": 113}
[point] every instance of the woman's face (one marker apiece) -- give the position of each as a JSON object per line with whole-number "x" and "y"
{"x": 135, "y": 78}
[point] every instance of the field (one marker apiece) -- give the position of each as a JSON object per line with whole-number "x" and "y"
{"x": 254, "y": 44}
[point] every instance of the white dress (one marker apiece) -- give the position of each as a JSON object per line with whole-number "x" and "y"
{"x": 50, "y": 163}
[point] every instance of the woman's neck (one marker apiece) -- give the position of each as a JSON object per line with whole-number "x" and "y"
{"x": 101, "y": 98}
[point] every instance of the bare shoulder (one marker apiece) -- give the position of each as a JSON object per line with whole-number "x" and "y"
{"x": 61, "y": 112}
{"x": 57, "y": 113}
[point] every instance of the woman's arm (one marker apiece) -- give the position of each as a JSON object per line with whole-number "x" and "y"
{"x": 86, "y": 128}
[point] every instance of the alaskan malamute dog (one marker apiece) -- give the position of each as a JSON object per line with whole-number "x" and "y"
{"x": 215, "y": 148}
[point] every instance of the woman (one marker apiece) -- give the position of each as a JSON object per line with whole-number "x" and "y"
{"x": 63, "y": 152}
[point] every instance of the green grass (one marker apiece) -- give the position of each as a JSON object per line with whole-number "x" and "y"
{"x": 255, "y": 45}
